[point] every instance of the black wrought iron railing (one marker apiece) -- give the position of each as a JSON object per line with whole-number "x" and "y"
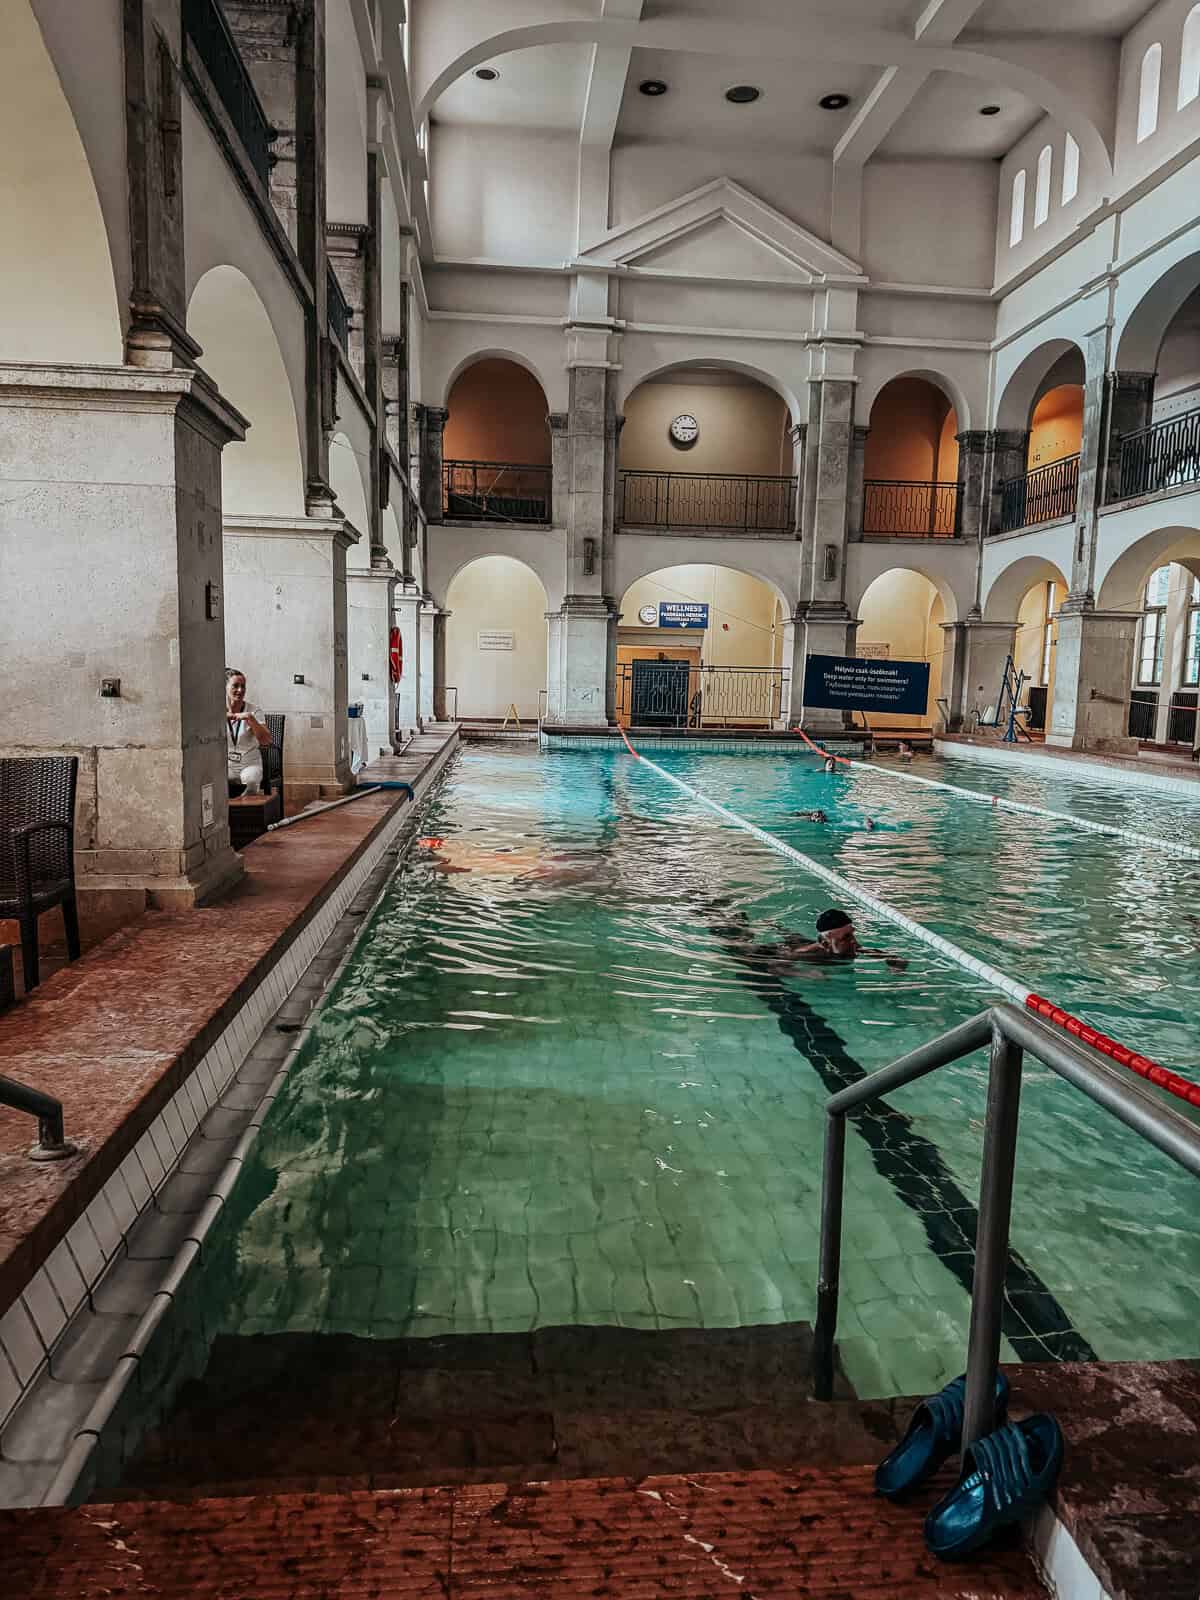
{"x": 909, "y": 509}
{"x": 340, "y": 314}
{"x": 707, "y": 500}
{"x": 496, "y": 491}
{"x": 1160, "y": 457}
{"x": 1042, "y": 495}
{"x": 676, "y": 694}
{"x": 207, "y": 33}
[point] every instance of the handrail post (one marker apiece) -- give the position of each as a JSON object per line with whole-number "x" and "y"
{"x": 991, "y": 1240}
{"x": 830, "y": 1271}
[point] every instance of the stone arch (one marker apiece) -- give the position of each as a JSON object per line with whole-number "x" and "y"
{"x": 1122, "y": 586}
{"x": 1032, "y": 377}
{"x": 489, "y": 592}
{"x": 57, "y": 285}
{"x": 1009, "y": 587}
{"x": 496, "y": 353}
{"x": 1146, "y": 326}
{"x": 632, "y": 377}
{"x": 242, "y": 354}
{"x": 904, "y": 608}
{"x": 641, "y": 557}
{"x": 938, "y": 581}
{"x": 351, "y": 488}
{"x": 498, "y": 412}
{"x": 870, "y": 390}
{"x": 910, "y": 458}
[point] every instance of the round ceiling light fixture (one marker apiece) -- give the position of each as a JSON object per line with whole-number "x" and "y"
{"x": 653, "y": 87}
{"x": 486, "y": 74}
{"x": 743, "y": 94}
{"x": 834, "y": 102}
{"x": 989, "y": 111}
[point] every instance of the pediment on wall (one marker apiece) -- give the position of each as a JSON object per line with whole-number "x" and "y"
{"x": 721, "y": 231}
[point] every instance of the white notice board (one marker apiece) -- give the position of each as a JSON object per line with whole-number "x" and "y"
{"x": 495, "y": 639}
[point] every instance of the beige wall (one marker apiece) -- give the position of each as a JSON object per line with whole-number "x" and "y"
{"x": 912, "y": 435}
{"x": 1056, "y": 426}
{"x": 497, "y": 413}
{"x": 741, "y": 612}
{"x": 496, "y": 593}
{"x": 904, "y": 611}
{"x": 743, "y": 429}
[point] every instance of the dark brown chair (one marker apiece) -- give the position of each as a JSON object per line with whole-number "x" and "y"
{"x": 37, "y": 849}
{"x": 252, "y": 815}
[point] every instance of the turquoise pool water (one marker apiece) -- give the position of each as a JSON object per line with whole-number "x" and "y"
{"x": 547, "y": 1090}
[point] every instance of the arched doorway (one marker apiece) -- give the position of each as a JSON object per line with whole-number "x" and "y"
{"x": 910, "y": 462}
{"x": 900, "y": 619}
{"x": 1029, "y": 593}
{"x": 1160, "y": 442}
{"x": 1042, "y": 413}
{"x": 702, "y": 646}
{"x": 496, "y": 456}
{"x": 496, "y": 641}
{"x": 706, "y": 446}
{"x": 1159, "y": 578}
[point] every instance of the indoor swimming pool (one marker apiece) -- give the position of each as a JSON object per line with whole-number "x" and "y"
{"x": 549, "y": 1089}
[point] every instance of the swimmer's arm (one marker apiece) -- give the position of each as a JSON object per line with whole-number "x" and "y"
{"x": 895, "y": 962}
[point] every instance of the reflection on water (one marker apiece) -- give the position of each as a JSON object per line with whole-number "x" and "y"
{"x": 548, "y": 1090}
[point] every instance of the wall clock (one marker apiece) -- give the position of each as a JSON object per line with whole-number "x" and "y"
{"x": 648, "y": 615}
{"x": 685, "y": 430}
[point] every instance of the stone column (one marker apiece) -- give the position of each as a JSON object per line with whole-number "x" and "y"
{"x": 797, "y": 433}
{"x": 371, "y": 612}
{"x": 346, "y": 244}
{"x": 974, "y": 461}
{"x": 394, "y": 379}
{"x": 818, "y": 629}
{"x": 856, "y": 492}
{"x": 585, "y": 680}
{"x": 320, "y": 360}
{"x": 560, "y": 468}
{"x": 287, "y": 628}
{"x": 433, "y": 421}
{"x": 1092, "y": 673}
{"x": 267, "y": 37}
{"x": 428, "y": 615}
{"x": 1092, "y": 464}
{"x": 407, "y": 603}
{"x": 1010, "y": 458}
{"x": 979, "y": 652}
{"x": 111, "y": 630}
{"x": 553, "y": 712}
{"x": 1129, "y": 403}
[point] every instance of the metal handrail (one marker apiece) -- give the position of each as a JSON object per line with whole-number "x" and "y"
{"x": 912, "y": 508}
{"x": 736, "y": 502}
{"x": 1009, "y": 1032}
{"x": 207, "y": 32}
{"x": 1040, "y": 495}
{"x": 52, "y": 1144}
{"x": 1162, "y": 456}
{"x": 338, "y": 309}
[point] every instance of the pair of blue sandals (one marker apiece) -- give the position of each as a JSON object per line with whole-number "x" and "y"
{"x": 1005, "y": 1475}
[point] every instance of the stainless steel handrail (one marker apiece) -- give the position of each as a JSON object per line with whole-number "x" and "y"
{"x": 1009, "y": 1032}
{"x": 52, "y": 1144}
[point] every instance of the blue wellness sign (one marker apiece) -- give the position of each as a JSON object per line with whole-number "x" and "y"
{"x": 682, "y": 614}
{"x": 852, "y": 683}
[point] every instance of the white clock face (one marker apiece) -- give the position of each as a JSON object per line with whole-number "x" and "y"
{"x": 648, "y": 614}
{"x": 685, "y": 429}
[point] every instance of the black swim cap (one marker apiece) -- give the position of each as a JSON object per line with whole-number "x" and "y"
{"x": 831, "y": 919}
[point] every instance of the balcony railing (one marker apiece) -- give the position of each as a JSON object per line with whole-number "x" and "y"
{"x": 908, "y": 509}
{"x": 340, "y": 314}
{"x": 1160, "y": 457}
{"x": 708, "y": 501}
{"x": 1042, "y": 495}
{"x": 496, "y": 491}
{"x": 207, "y": 33}
{"x": 675, "y": 694}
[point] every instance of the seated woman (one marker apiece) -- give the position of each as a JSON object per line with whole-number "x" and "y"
{"x": 247, "y": 736}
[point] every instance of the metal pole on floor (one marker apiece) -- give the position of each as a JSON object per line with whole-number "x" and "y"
{"x": 991, "y": 1241}
{"x": 832, "y": 1189}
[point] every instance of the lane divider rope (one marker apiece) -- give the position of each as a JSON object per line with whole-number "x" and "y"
{"x": 1153, "y": 1071}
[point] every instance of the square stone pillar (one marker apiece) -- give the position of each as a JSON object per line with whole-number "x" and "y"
{"x": 822, "y": 624}
{"x": 972, "y": 677}
{"x": 586, "y": 689}
{"x": 818, "y": 630}
{"x": 286, "y": 618}
{"x": 1129, "y": 402}
{"x": 370, "y": 606}
{"x": 433, "y": 421}
{"x": 553, "y": 708}
{"x": 560, "y": 468}
{"x": 267, "y": 33}
{"x": 1092, "y": 673}
{"x": 346, "y": 246}
{"x": 428, "y": 616}
{"x": 441, "y": 707}
{"x": 856, "y": 491}
{"x": 407, "y": 603}
{"x": 111, "y": 576}
{"x": 1010, "y": 459}
{"x": 974, "y": 459}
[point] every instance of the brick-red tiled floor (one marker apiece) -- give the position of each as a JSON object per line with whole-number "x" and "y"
{"x": 787, "y": 1535}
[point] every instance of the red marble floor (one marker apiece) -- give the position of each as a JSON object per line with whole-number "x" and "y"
{"x": 802, "y": 1535}
{"x": 115, "y": 1034}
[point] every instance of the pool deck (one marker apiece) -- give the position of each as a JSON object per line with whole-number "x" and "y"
{"x": 1153, "y": 765}
{"x": 116, "y": 1034}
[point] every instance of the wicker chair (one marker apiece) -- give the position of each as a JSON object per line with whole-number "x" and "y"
{"x": 37, "y": 849}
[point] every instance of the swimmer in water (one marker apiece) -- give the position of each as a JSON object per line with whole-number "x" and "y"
{"x": 905, "y": 752}
{"x": 869, "y": 824}
{"x": 836, "y": 941}
{"x": 830, "y": 764}
{"x": 813, "y": 816}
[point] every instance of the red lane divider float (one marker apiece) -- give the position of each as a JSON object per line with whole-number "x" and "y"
{"x": 826, "y": 755}
{"x": 628, "y": 746}
{"x": 1152, "y": 1071}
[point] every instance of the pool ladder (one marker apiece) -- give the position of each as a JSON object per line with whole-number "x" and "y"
{"x": 1008, "y": 1032}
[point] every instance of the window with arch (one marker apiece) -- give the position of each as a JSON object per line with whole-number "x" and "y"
{"x": 1148, "y": 87}
{"x": 1070, "y": 177}
{"x": 1016, "y": 216}
{"x": 1153, "y": 635}
{"x": 1191, "y": 662}
{"x": 1041, "y": 195}
{"x": 1189, "y": 60}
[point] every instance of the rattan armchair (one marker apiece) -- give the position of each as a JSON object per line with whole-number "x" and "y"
{"x": 37, "y": 849}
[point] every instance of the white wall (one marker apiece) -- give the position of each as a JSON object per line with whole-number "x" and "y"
{"x": 496, "y": 593}
{"x": 742, "y": 611}
{"x": 900, "y": 198}
{"x": 503, "y": 193}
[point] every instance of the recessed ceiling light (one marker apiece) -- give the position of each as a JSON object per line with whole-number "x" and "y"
{"x": 486, "y": 74}
{"x": 743, "y": 94}
{"x": 989, "y": 111}
{"x": 652, "y": 87}
{"x": 834, "y": 102}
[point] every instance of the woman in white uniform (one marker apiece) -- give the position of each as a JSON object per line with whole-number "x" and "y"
{"x": 247, "y": 734}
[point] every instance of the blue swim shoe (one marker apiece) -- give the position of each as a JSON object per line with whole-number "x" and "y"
{"x": 934, "y": 1433}
{"x": 1006, "y": 1475}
